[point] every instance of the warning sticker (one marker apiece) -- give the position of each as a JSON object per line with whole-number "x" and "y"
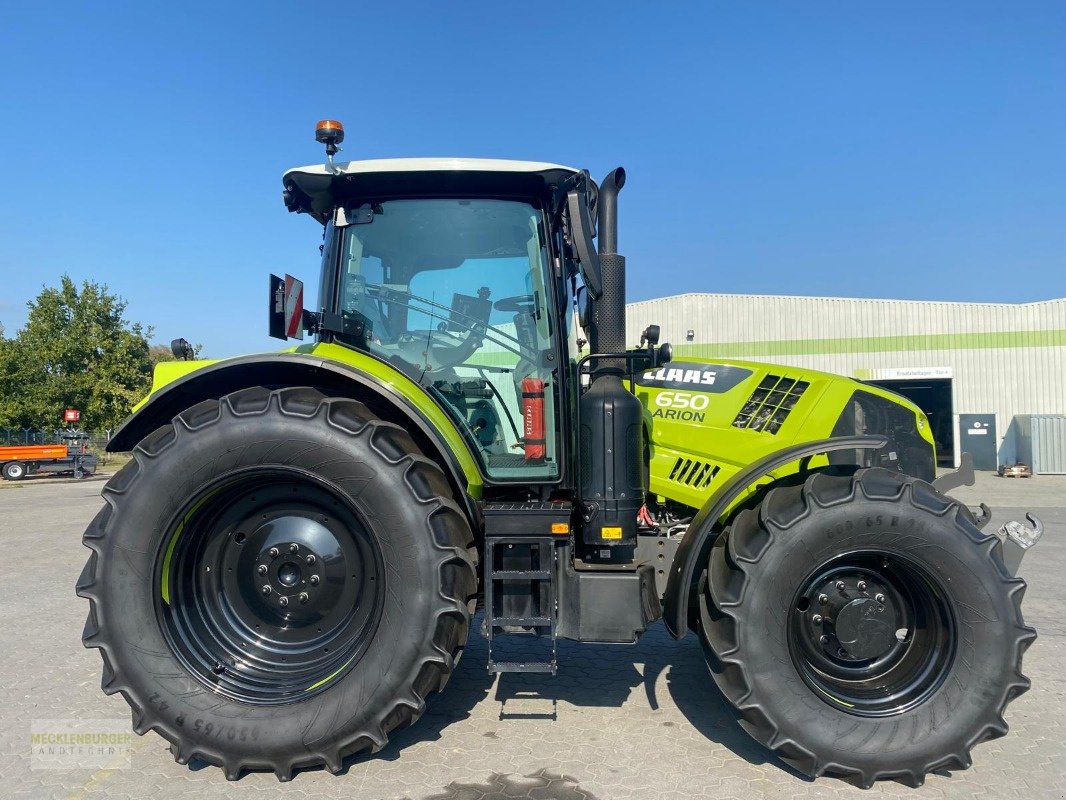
{"x": 610, "y": 533}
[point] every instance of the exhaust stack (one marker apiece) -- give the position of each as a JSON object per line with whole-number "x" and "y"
{"x": 608, "y": 334}
{"x": 612, "y": 484}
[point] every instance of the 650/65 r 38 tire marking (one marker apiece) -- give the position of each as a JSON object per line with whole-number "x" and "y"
{"x": 303, "y": 515}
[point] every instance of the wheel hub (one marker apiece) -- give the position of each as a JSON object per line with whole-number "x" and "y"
{"x": 288, "y": 573}
{"x": 293, "y": 565}
{"x": 863, "y": 629}
{"x": 871, "y": 633}
{"x": 854, "y": 615}
{"x": 275, "y": 587}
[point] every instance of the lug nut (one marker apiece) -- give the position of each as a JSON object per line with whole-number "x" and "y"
{"x": 840, "y": 586}
{"x": 823, "y": 599}
{"x": 310, "y": 559}
{"x": 880, "y": 599}
{"x": 862, "y": 586}
{"x": 303, "y": 597}
{"x": 265, "y": 590}
{"x": 823, "y": 639}
{"x": 284, "y": 601}
{"x": 274, "y": 552}
{"x": 262, "y": 569}
{"x": 817, "y": 619}
{"x": 314, "y": 580}
{"x": 293, "y": 547}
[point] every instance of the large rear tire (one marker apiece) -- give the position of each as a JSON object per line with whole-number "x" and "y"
{"x": 278, "y": 580}
{"x": 863, "y": 626}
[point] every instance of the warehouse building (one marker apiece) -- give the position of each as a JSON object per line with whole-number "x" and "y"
{"x": 991, "y": 377}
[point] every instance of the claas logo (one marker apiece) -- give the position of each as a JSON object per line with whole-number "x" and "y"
{"x": 692, "y": 376}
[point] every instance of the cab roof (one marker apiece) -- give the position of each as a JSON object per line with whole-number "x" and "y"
{"x": 315, "y": 190}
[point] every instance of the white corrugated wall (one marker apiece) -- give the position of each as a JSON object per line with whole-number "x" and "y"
{"x": 1005, "y": 359}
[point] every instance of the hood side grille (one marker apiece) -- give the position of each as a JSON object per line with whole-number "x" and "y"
{"x": 770, "y": 404}
{"x": 693, "y": 472}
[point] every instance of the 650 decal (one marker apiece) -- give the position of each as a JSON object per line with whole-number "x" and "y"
{"x": 683, "y": 406}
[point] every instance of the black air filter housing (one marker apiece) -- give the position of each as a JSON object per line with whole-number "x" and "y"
{"x": 612, "y": 469}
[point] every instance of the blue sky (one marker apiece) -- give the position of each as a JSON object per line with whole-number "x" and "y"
{"x": 868, "y": 149}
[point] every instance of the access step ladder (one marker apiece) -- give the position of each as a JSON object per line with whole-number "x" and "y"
{"x": 520, "y": 598}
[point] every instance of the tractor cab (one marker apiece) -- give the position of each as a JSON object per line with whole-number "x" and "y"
{"x": 463, "y": 274}
{"x": 458, "y": 294}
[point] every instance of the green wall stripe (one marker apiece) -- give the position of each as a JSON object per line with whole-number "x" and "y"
{"x": 878, "y": 344}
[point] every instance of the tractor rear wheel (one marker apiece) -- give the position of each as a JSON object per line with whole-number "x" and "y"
{"x": 863, "y": 626}
{"x": 278, "y": 580}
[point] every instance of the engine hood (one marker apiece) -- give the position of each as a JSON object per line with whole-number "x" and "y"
{"x": 708, "y": 418}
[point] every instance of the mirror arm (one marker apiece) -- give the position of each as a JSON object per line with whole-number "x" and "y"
{"x": 579, "y": 234}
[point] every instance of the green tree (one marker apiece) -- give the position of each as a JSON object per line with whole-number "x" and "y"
{"x": 77, "y": 350}
{"x": 7, "y": 382}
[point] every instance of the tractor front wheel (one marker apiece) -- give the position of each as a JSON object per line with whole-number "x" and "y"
{"x": 278, "y": 580}
{"x": 863, "y": 626}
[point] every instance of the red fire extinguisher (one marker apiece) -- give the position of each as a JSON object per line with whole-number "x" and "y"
{"x": 533, "y": 417}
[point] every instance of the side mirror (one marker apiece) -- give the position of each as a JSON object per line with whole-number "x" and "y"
{"x": 580, "y": 230}
{"x": 584, "y": 307}
{"x": 286, "y": 307}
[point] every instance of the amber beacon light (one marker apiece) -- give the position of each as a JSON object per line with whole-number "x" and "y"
{"x": 330, "y": 133}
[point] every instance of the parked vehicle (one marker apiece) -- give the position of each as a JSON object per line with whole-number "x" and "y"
{"x": 289, "y": 565}
{"x": 18, "y": 461}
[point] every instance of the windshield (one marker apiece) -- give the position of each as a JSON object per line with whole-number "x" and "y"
{"x": 454, "y": 292}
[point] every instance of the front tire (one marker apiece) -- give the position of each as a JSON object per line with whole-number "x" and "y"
{"x": 278, "y": 580}
{"x": 863, "y": 626}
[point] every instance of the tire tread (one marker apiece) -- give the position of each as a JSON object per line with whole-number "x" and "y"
{"x": 453, "y": 539}
{"x": 745, "y": 541}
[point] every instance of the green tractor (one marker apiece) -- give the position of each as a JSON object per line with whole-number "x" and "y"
{"x": 290, "y": 564}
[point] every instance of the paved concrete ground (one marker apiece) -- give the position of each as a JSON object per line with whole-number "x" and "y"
{"x": 618, "y": 722}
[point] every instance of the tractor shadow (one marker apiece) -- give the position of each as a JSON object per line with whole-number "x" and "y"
{"x": 589, "y": 676}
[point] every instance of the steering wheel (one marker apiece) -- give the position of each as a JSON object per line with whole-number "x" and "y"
{"x": 518, "y": 303}
{"x": 438, "y": 348}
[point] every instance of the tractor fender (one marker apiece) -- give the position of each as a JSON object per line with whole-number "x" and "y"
{"x": 704, "y": 525}
{"x": 277, "y": 370}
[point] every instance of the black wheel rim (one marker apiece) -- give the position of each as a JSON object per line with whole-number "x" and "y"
{"x": 270, "y": 586}
{"x": 872, "y": 633}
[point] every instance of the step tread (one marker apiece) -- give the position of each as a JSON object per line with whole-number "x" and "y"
{"x": 522, "y": 621}
{"x": 532, "y": 574}
{"x": 523, "y": 666}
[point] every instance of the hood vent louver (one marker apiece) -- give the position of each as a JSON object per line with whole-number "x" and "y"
{"x": 693, "y": 472}
{"x": 770, "y": 404}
